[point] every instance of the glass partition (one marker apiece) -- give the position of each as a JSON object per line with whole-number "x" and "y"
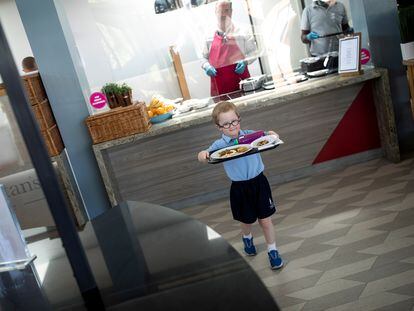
{"x": 25, "y": 261}
{"x": 18, "y": 175}
{"x": 128, "y": 42}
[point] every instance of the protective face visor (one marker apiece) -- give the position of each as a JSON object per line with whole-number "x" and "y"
{"x": 223, "y": 13}
{"x": 327, "y": 2}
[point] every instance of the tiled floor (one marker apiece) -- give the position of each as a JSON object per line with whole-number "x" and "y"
{"x": 347, "y": 238}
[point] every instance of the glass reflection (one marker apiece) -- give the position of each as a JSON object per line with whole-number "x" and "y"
{"x": 228, "y": 52}
{"x": 163, "y": 6}
{"x": 21, "y": 288}
{"x": 129, "y": 42}
{"x": 283, "y": 48}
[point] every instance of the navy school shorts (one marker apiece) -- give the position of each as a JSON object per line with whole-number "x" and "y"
{"x": 251, "y": 199}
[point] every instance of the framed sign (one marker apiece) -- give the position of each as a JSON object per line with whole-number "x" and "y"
{"x": 350, "y": 55}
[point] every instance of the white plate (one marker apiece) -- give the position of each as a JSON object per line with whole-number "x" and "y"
{"x": 268, "y": 140}
{"x": 216, "y": 155}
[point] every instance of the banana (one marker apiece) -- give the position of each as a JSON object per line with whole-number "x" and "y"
{"x": 155, "y": 103}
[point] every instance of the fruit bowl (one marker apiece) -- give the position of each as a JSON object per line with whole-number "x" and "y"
{"x": 161, "y": 117}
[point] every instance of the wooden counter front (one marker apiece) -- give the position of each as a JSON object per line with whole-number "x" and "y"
{"x": 325, "y": 123}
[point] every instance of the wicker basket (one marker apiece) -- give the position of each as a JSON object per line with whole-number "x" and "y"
{"x": 53, "y": 140}
{"x": 34, "y": 88}
{"x": 118, "y": 122}
{"x": 44, "y": 115}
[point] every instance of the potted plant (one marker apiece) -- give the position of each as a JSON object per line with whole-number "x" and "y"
{"x": 125, "y": 95}
{"x": 117, "y": 95}
{"x": 110, "y": 90}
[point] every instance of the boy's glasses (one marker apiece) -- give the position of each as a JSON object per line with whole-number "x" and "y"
{"x": 227, "y": 125}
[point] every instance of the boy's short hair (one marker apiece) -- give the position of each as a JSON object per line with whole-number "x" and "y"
{"x": 222, "y": 107}
{"x": 29, "y": 64}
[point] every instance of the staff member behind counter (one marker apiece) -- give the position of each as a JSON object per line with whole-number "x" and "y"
{"x": 323, "y": 18}
{"x": 227, "y": 53}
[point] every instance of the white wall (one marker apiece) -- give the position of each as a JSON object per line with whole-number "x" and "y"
{"x": 15, "y": 33}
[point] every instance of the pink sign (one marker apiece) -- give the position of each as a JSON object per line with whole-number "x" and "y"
{"x": 365, "y": 56}
{"x": 97, "y": 100}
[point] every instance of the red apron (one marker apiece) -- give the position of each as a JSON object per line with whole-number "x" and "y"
{"x": 224, "y": 54}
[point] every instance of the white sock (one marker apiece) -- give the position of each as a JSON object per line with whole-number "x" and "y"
{"x": 271, "y": 247}
{"x": 248, "y": 236}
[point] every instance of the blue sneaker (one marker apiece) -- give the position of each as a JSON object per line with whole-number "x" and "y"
{"x": 276, "y": 262}
{"x": 249, "y": 247}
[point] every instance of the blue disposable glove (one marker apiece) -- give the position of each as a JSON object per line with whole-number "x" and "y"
{"x": 210, "y": 70}
{"x": 312, "y": 36}
{"x": 240, "y": 67}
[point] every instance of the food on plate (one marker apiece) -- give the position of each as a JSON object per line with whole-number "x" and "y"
{"x": 232, "y": 151}
{"x": 262, "y": 143}
{"x": 265, "y": 141}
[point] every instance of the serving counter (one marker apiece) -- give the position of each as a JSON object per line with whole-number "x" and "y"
{"x": 325, "y": 123}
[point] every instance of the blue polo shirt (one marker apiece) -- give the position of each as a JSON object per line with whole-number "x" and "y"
{"x": 243, "y": 168}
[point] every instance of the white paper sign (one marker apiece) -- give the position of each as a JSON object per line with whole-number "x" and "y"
{"x": 12, "y": 245}
{"x": 349, "y": 54}
{"x": 27, "y": 199}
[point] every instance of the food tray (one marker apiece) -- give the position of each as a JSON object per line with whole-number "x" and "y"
{"x": 252, "y": 151}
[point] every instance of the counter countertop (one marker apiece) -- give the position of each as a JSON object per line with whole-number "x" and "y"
{"x": 250, "y": 102}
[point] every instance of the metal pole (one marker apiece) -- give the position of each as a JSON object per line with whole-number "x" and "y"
{"x": 47, "y": 178}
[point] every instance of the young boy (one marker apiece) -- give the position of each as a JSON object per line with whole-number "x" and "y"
{"x": 250, "y": 193}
